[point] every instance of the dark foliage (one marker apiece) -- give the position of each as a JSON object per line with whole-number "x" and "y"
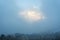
{"x": 17, "y": 36}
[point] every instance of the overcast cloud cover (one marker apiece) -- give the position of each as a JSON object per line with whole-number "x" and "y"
{"x": 10, "y": 23}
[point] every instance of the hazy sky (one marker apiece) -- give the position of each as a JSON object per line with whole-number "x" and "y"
{"x": 10, "y": 22}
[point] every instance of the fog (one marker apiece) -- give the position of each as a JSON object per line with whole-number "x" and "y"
{"x": 10, "y": 22}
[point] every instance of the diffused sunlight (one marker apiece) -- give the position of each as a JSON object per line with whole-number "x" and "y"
{"x": 31, "y": 15}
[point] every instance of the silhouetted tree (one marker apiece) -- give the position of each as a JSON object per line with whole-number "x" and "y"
{"x": 8, "y": 37}
{"x": 3, "y": 37}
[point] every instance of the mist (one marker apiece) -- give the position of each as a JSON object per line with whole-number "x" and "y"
{"x": 10, "y": 23}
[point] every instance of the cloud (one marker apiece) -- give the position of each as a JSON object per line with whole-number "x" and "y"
{"x": 31, "y": 15}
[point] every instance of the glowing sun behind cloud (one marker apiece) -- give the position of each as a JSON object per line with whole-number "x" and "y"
{"x": 32, "y": 15}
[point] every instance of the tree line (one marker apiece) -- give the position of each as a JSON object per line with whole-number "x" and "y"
{"x": 18, "y": 36}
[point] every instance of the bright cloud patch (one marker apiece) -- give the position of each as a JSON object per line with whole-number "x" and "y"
{"x": 31, "y": 15}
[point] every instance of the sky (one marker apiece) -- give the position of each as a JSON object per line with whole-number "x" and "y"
{"x": 12, "y": 22}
